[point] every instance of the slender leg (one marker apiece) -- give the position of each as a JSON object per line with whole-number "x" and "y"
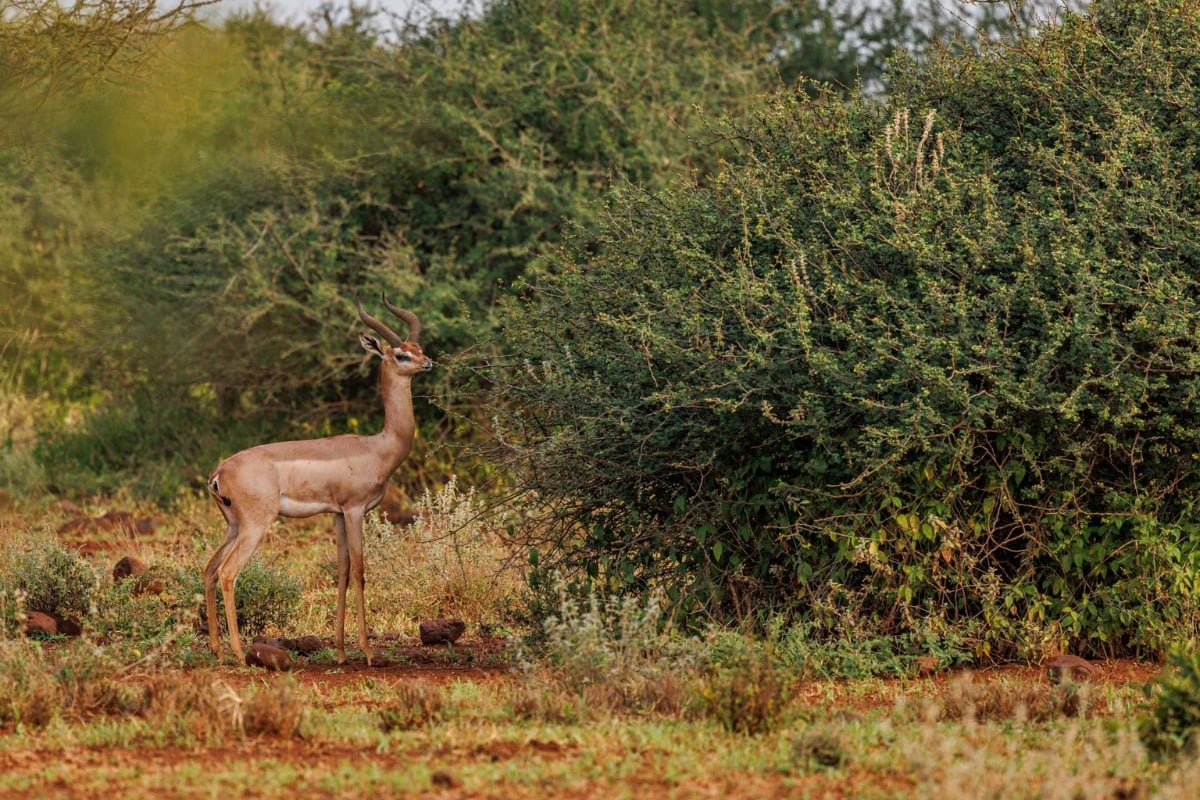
{"x": 354, "y": 543}
{"x": 210, "y": 587}
{"x": 339, "y": 528}
{"x": 228, "y": 592}
{"x": 236, "y": 555}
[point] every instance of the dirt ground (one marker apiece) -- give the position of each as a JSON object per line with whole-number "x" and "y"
{"x": 317, "y": 768}
{"x": 313, "y": 766}
{"x": 474, "y": 658}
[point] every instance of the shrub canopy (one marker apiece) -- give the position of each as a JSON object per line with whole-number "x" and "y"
{"x": 925, "y": 365}
{"x": 189, "y": 231}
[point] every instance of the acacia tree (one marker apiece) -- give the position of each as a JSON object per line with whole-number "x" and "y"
{"x": 51, "y": 55}
{"x": 925, "y": 367}
{"x": 49, "y": 49}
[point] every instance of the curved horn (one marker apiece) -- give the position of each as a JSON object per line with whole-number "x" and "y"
{"x": 377, "y": 326}
{"x": 410, "y": 319}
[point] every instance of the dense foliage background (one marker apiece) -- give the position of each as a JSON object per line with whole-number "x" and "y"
{"x": 875, "y": 316}
{"x": 211, "y": 249}
{"x": 191, "y": 216}
{"x": 920, "y": 366}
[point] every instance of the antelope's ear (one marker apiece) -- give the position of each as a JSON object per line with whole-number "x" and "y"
{"x": 371, "y": 344}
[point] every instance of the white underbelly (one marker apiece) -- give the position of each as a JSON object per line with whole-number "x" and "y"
{"x": 292, "y": 507}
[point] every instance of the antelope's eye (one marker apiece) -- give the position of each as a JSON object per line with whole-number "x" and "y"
{"x": 401, "y": 355}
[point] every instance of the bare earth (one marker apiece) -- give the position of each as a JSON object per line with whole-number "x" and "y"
{"x": 481, "y": 768}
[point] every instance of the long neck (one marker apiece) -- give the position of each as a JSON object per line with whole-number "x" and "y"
{"x": 399, "y": 421}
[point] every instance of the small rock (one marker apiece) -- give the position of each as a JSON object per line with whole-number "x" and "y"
{"x": 444, "y": 780}
{"x": 442, "y": 631}
{"x": 1064, "y": 668}
{"x": 125, "y": 522}
{"x": 78, "y": 525}
{"x": 270, "y": 641}
{"x": 272, "y": 658}
{"x": 110, "y": 522}
{"x": 67, "y": 627}
{"x": 62, "y": 625}
{"x": 39, "y": 622}
{"x": 67, "y": 508}
{"x": 129, "y": 567}
{"x": 91, "y": 547}
{"x": 304, "y": 645}
{"x": 926, "y": 666}
{"x": 148, "y": 584}
{"x": 394, "y": 506}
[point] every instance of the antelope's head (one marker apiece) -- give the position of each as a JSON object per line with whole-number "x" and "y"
{"x": 401, "y": 355}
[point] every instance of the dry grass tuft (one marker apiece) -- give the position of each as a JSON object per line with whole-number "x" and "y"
{"x": 198, "y": 707}
{"x": 545, "y": 701}
{"x": 74, "y": 681}
{"x": 413, "y": 705}
{"x": 183, "y": 708}
{"x": 1067, "y": 760}
{"x": 747, "y": 693}
{"x": 453, "y": 561}
{"x": 967, "y": 699}
{"x": 612, "y": 654}
{"x": 651, "y": 692}
{"x": 28, "y": 695}
{"x": 821, "y": 747}
{"x": 275, "y": 711}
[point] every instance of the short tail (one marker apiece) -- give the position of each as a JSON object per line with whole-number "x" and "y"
{"x": 216, "y": 490}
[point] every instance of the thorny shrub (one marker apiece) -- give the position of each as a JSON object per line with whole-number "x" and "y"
{"x": 939, "y": 350}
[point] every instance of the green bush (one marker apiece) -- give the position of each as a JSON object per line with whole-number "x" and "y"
{"x": 937, "y": 354}
{"x": 747, "y": 691}
{"x": 806, "y": 650}
{"x": 236, "y": 185}
{"x": 140, "y": 624}
{"x": 1174, "y": 718}
{"x": 51, "y": 578}
{"x": 28, "y": 693}
{"x": 267, "y": 598}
